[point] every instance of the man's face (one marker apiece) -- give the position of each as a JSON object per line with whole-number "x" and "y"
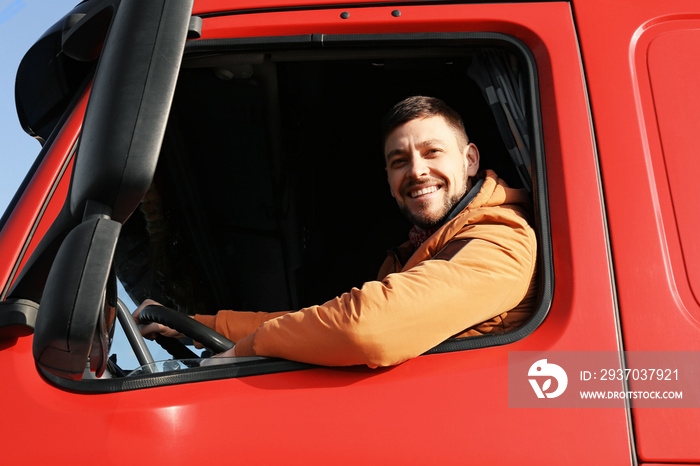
{"x": 427, "y": 171}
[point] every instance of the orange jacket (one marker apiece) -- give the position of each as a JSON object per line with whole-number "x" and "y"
{"x": 474, "y": 275}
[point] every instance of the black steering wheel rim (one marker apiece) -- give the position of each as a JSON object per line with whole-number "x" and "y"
{"x": 207, "y": 337}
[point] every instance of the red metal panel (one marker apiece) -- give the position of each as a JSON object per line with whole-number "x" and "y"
{"x": 673, "y": 60}
{"x": 38, "y": 206}
{"x": 642, "y": 63}
{"x": 211, "y": 6}
{"x": 443, "y": 408}
{"x": 377, "y": 20}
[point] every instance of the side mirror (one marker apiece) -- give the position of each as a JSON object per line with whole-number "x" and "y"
{"x": 78, "y": 307}
{"x": 129, "y": 105}
{"x": 119, "y": 146}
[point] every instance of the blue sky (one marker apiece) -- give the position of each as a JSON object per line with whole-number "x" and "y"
{"x": 22, "y": 23}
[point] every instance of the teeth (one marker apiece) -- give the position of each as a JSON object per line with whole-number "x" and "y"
{"x": 421, "y": 192}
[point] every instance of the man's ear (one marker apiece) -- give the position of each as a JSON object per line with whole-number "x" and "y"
{"x": 472, "y": 156}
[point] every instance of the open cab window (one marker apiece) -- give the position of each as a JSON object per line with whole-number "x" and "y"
{"x": 270, "y": 192}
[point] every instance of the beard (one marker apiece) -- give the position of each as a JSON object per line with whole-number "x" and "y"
{"x": 426, "y": 220}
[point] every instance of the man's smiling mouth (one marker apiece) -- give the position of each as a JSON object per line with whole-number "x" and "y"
{"x": 423, "y": 191}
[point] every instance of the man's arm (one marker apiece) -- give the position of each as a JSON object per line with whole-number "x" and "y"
{"x": 387, "y": 322}
{"x": 236, "y": 325}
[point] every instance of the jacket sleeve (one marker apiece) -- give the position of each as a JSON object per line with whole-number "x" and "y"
{"x": 235, "y": 325}
{"x": 387, "y": 322}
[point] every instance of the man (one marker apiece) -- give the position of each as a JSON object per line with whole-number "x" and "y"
{"x": 468, "y": 268}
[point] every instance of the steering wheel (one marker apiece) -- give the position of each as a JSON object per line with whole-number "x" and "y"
{"x": 209, "y": 338}
{"x": 199, "y": 332}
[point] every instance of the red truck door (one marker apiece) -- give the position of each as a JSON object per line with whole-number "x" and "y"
{"x": 642, "y": 64}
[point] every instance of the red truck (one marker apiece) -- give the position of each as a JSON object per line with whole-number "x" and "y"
{"x": 212, "y": 154}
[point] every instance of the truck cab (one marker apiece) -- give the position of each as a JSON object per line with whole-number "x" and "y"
{"x": 226, "y": 154}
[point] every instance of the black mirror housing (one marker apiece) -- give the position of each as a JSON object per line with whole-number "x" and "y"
{"x": 74, "y": 300}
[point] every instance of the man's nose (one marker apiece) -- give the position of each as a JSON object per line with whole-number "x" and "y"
{"x": 419, "y": 167}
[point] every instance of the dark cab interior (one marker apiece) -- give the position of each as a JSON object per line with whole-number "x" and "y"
{"x": 270, "y": 192}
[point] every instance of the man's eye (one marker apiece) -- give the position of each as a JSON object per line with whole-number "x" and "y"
{"x": 397, "y": 162}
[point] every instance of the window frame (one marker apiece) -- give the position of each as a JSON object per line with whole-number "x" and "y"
{"x": 259, "y": 366}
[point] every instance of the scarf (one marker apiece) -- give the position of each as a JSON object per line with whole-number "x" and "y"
{"x": 418, "y": 235}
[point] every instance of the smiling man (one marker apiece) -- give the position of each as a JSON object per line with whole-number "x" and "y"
{"x": 468, "y": 268}
{"x": 429, "y": 160}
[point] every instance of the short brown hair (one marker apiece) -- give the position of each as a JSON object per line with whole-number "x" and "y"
{"x": 420, "y": 106}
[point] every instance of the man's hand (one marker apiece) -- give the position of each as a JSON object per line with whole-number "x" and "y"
{"x": 227, "y": 354}
{"x": 152, "y": 330}
{"x": 244, "y": 347}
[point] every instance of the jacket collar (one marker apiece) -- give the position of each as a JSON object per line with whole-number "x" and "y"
{"x": 464, "y": 202}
